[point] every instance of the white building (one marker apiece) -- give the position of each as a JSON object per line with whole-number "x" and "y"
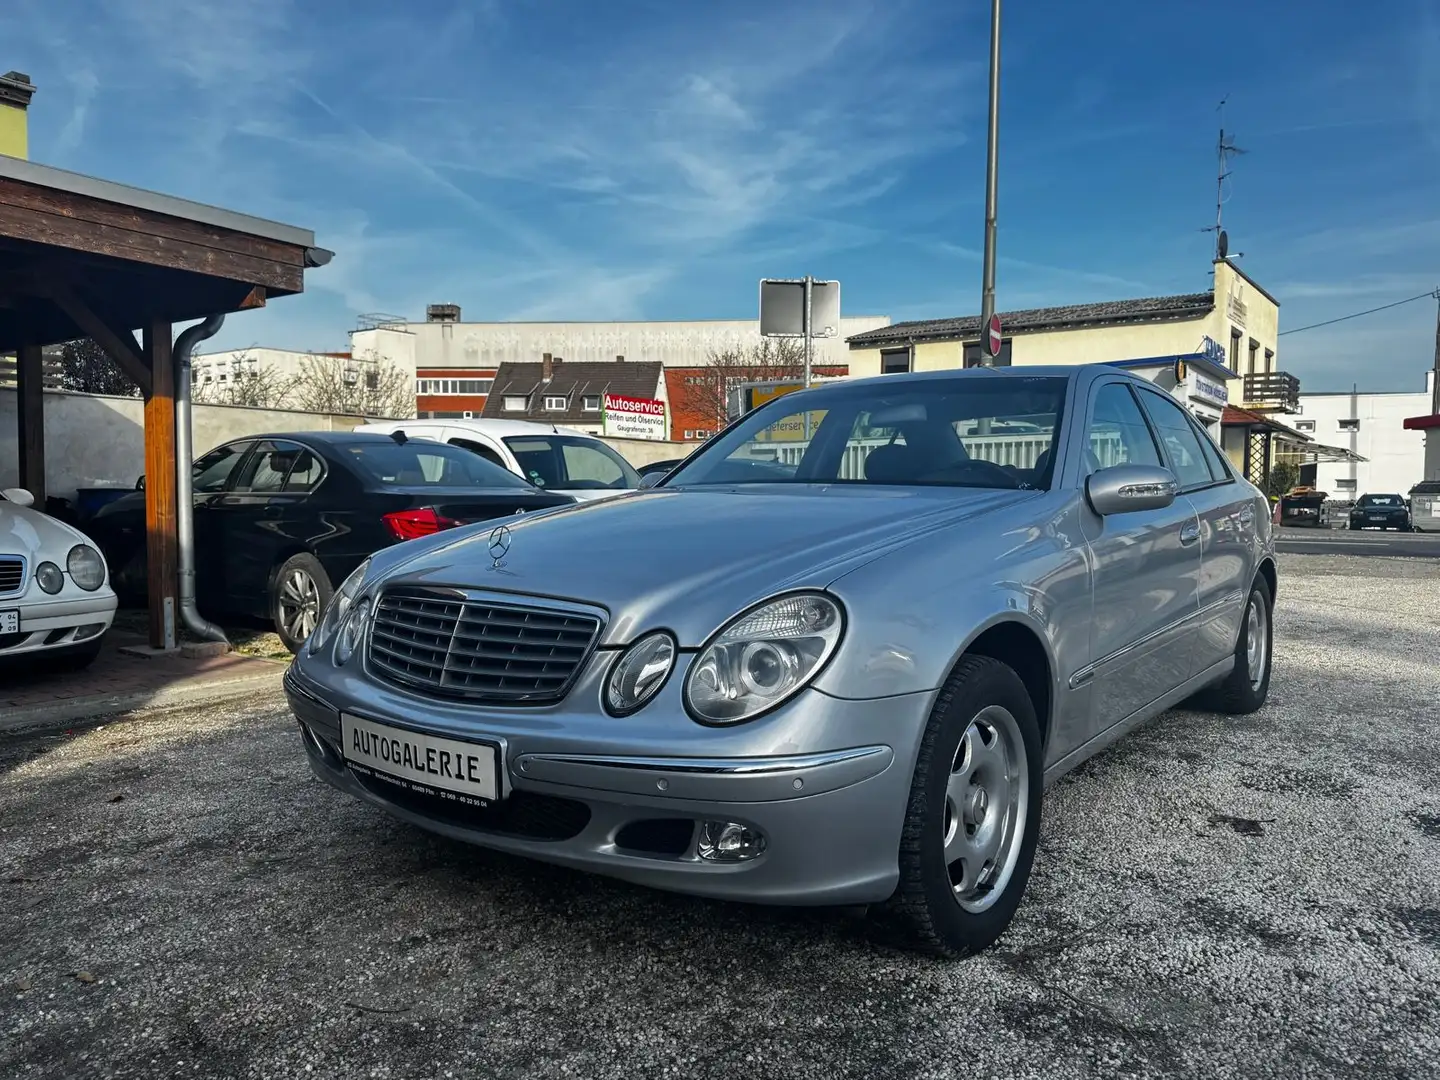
{"x": 445, "y": 342}
{"x": 1373, "y": 426}
{"x": 220, "y": 368}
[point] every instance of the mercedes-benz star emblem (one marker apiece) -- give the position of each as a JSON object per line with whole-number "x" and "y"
{"x": 499, "y": 545}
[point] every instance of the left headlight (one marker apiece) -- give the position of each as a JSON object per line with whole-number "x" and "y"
{"x": 336, "y": 609}
{"x": 86, "y": 566}
{"x": 762, "y": 657}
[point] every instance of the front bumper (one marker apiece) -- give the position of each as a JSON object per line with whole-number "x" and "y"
{"x": 825, "y": 781}
{"x": 58, "y": 622}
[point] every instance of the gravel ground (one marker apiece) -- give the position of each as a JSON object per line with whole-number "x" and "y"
{"x": 1214, "y": 897}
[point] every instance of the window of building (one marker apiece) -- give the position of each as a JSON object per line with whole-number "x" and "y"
{"x": 554, "y": 403}
{"x": 1345, "y": 484}
{"x": 974, "y": 359}
{"x": 894, "y": 361}
{"x": 514, "y": 403}
{"x": 701, "y": 433}
{"x": 689, "y": 434}
{"x": 1304, "y": 425}
{"x": 1269, "y": 360}
{"x": 1350, "y": 425}
{"x": 1255, "y": 355}
{"x": 1235, "y": 336}
{"x": 592, "y": 402}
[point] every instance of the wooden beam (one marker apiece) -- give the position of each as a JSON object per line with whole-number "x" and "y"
{"x": 161, "y": 537}
{"x": 30, "y": 413}
{"x": 255, "y": 298}
{"x": 45, "y": 200}
{"x": 75, "y": 234}
{"x": 116, "y": 341}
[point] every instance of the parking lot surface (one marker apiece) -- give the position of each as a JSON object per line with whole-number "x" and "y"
{"x": 1214, "y": 897}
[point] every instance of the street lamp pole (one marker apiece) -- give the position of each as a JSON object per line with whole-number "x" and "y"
{"x": 987, "y": 303}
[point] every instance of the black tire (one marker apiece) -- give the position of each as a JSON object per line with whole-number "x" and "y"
{"x": 289, "y": 575}
{"x": 925, "y": 901}
{"x": 1238, "y": 694}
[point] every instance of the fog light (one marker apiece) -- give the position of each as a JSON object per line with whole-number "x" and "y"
{"x": 729, "y": 841}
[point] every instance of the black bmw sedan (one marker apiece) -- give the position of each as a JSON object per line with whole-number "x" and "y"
{"x": 1380, "y": 512}
{"x": 280, "y": 519}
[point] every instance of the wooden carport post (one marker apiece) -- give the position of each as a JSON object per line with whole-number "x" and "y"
{"x": 30, "y": 420}
{"x": 161, "y": 536}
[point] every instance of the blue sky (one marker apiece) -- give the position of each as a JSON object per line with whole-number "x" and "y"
{"x": 598, "y": 159}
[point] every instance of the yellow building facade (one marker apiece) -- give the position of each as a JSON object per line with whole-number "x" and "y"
{"x": 1235, "y": 325}
{"x": 16, "y": 89}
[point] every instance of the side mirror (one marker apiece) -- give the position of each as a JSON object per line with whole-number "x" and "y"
{"x": 649, "y": 480}
{"x": 18, "y": 496}
{"x": 1122, "y": 489}
{"x": 140, "y": 484}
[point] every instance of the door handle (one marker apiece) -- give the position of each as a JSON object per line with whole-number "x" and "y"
{"x": 272, "y": 511}
{"x": 1189, "y": 532}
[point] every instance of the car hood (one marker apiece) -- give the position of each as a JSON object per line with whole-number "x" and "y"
{"x": 687, "y": 560}
{"x": 28, "y": 532}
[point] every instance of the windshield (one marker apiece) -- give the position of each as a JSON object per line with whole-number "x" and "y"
{"x": 428, "y": 464}
{"x": 983, "y": 431}
{"x": 572, "y": 463}
{"x": 1381, "y": 500}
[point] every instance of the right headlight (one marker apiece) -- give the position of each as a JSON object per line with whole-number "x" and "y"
{"x": 336, "y": 609}
{"x": 762, "y": 657}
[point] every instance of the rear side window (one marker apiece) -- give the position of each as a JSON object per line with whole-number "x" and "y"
{"x": 480, "y": 449}
{"x": 1182, "y": 445}
{"x": 421, "y": 463}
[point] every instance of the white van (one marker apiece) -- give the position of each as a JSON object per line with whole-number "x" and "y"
{"x": 554, "y": 458}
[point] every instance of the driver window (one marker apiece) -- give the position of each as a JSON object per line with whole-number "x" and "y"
{"x": 210, "y": 472}
{"x": 586, "y": 463}
{"x": 481, "y": 449}
{"x": 1118, "y": 433}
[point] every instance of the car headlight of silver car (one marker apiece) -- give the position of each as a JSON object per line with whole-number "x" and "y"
{"x": 762, "y": 657}
{"x": 640, "y": 673}
{"x": 336, "y": 610}
{"x": 86, "y": 566}
{"x": 50, "y": 577}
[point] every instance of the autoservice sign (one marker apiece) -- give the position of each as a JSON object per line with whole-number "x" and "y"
{"x": 634, "y": 418}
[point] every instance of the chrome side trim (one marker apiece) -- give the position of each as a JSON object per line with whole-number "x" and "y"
{"x": 754, "y": 766}
{"x": 1086, "y": 673}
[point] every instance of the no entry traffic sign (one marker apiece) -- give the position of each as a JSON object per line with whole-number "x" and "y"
{"x": 993, "y": 340}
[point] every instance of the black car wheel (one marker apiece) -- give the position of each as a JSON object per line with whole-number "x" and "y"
{"x": 300, "y": 590}
{"x": 1247, "y": 686}
{"x": 973, "y": 820}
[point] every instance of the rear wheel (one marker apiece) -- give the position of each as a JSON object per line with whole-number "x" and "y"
{"x": 973, "y": 819}
{"x": 299, "y": 593}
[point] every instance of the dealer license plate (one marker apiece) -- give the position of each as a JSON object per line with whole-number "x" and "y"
{"x": 9, "y": 622}
{"x": 1377, "y": 517}
{"x": 451, "y": 769}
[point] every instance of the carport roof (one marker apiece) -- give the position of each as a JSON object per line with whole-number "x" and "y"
{"x": 83, "y": 257}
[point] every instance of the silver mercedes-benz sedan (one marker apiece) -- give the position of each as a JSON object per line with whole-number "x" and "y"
{"x": 832, "y": 658}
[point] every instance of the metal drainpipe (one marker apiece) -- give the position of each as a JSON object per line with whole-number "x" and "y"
{"x": 184, "y": 493}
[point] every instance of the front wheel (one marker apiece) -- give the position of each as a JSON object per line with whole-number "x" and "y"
{"x": 299, "y": 593}
{"x": 973, "y": 818}
{"x": 1247, "y": 686}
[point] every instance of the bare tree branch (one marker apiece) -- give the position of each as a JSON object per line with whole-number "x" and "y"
{"x": 363, "y": 386}
{"x": 705, "y": 392}
{"x": 258, "y": 387}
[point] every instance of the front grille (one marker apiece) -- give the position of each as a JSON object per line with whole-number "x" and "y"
{"x": 479, "y": 650}
{"x": 12, "y": 574}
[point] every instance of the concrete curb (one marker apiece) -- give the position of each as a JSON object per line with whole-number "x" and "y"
{"x": 61, "y": 713}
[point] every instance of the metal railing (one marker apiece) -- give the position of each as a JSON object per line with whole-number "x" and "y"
{"x": 1278, "y": 391}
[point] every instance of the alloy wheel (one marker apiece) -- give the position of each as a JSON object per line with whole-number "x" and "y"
{"x": 1257, "y": 641}
{"x": 986, "y": 801}
{"x": 299, "y": 604}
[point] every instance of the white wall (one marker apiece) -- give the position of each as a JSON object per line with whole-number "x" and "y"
{"x": 488, "y": 345}
{"x": 287, "y": 363}
{"x": 95, "y": 441}
{"x": 1396, "y": 457}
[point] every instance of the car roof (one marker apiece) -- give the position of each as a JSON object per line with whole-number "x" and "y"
{"x": 484, "y": 425}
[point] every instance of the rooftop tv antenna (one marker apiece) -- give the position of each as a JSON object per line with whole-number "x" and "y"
{"x": 1225, "y": 148}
